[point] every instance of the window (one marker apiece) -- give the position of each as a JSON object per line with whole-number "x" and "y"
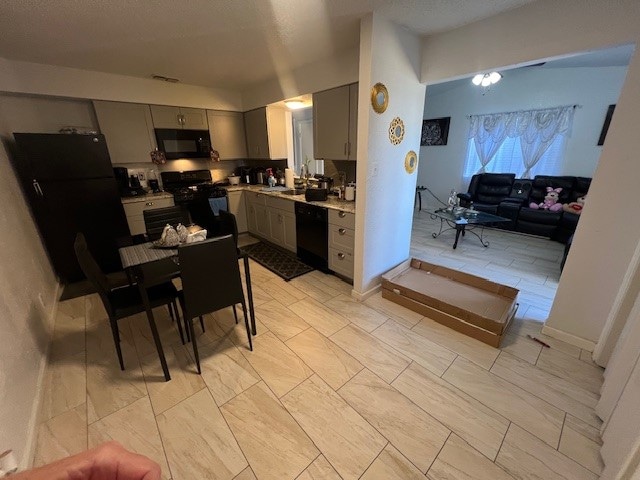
{"x": 526, "y": 143}
{"x": 508, "y": 158}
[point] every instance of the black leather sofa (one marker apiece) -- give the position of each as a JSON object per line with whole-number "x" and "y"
{"x": 504, "y": 195}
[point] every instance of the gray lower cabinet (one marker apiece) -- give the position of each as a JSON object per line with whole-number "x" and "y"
{"x": 272, "y": 219}
{"x": 134, "y": 210}
{"x": 128, "y": 130}
{"x": 341, "y": 242}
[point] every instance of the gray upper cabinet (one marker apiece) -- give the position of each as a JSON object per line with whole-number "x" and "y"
{"x": 266, "y": 133}
{"x": 335, "y": 114}
{"x": 227, "y": 134}
{"x": 128, "y": 130}
{"x": 179, "y": 117}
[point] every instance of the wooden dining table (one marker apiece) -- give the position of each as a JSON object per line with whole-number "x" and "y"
{"x": 148, "y": 265}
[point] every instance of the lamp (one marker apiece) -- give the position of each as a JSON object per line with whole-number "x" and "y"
{"x": 295, "y": 104}
{"x": 486, "y": 79}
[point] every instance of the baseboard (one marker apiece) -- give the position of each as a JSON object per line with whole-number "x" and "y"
{"x": 361, "y": 297}
{"x": 587, "y": 345}
{"x": 27, "y": 459}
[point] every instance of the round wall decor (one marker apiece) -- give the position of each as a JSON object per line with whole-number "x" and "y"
{"x": 379, "y": 98}
{"x": 396, "y": 131}
{"x": 410, "y": 162}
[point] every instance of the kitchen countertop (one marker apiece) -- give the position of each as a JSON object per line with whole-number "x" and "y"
{"x": 146, "y": 198}
{"x": 332, "y": 201}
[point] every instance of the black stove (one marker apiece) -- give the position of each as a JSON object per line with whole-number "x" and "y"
{"x": 191, "y": 186}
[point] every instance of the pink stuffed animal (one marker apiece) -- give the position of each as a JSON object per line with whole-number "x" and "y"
{"x": 550, "y": 201}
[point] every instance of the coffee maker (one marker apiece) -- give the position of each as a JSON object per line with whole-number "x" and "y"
{"x": 124, "y": 183}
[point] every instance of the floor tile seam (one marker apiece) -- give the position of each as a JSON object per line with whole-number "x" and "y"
{"x": 300, "y": 332}
{"x": 389, "y": 441}
{"x": 576, "y": 461}
{"x": 119, "y": 409}
{"x": 312, "y": 462}
{"x": 404, "y": 355}
{"x": 553, "y": 407}
{"x": 86, "y": 372}
{"x": 226, "y": 422}
{"x": 564, "y": 422}
{"x": 374, "y": 459}
{"x": 396, "y": 352}
{"x": 439, "y": 452}
{"x": 564, "y": 456}
{"x": 431, "y": 417}
{"x": 447, "y": 369}
{"x": 570, "y": 378}
{"x": 284, "y": 406}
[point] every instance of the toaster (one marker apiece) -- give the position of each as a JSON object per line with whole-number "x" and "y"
{"x": 315, "y": 194}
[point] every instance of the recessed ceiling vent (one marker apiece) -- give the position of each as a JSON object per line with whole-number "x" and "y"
{"x": 165, "y": 79}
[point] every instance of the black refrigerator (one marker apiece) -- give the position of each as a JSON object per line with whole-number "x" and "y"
{"x": 69, "y": 183}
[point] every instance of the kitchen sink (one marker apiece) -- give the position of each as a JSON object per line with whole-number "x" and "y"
{"x": 294, "y": 191}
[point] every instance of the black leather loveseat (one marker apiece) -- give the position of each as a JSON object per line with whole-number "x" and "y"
{"x": 504, "y": 195}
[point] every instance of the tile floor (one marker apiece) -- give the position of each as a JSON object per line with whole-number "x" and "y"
{"x": 335, "y": 388}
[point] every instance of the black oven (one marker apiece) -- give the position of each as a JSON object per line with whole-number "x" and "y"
{"x": 178, "y": 143}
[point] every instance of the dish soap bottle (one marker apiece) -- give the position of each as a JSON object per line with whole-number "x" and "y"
{"x": 271, "y": 180}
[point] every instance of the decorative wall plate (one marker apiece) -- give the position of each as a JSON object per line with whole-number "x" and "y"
{"x": 379, "y": 98}
{"x": 411, "y": 162}
{"x": 396, "y": 131}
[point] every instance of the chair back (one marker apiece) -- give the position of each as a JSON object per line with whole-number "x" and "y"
{"x": 155, "y": 220}
{"x": 228, "y": 225}
{"x": 202, "y": 215}
{"x": 92, "y": 271}
{"x": 210, "y": 275}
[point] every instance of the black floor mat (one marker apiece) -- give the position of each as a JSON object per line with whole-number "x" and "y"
{"x": 281, "y": 262}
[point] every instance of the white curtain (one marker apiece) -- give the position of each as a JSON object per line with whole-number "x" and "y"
{"x": 488, "y": 133}
{"x": 536, "y": 130}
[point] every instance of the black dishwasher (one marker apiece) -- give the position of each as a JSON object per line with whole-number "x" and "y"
{"x": 312, "y": 235}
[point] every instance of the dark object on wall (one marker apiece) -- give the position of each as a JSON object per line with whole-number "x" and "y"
{"x": 435, "y": 131}
{"x": 70, "y": 186}
{"x": 605, "y": 126}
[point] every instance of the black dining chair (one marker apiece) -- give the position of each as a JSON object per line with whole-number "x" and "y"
{"x": 124, "y": 301}
{"x": 155, "y": 220}
{"x": 204, "y": 292}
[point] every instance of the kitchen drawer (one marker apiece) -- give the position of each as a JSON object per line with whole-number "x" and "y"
{"x": 133, "y": 209}
{"x": 341, "y": 262}
{"x": 341, "y": 238}
{"x": 256, "y": 198}
{"x": 343, "y": 219}
{"x": 281, "y": 203}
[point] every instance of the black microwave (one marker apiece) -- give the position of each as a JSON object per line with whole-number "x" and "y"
{"x": 178, "y": 143}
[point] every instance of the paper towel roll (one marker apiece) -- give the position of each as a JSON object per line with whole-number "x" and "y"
{"x": 288, "y": 178}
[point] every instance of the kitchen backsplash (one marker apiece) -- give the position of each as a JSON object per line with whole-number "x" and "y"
{"x": 332, "y": 167}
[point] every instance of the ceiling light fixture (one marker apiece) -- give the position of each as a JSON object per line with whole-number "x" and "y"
{"x": 295, "y": 104}
{"x": 486, "y": 79}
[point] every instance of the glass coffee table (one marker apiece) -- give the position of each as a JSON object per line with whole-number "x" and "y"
{"x": 465, "y": 220}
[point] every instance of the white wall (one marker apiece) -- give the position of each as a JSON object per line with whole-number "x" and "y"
{"x": 385, "y": 192}
{"x": 34, "y": 78}
{"x": 25, "y": 321}
{"x": 594, "y": 89}
{"x": 332, "y": 72}
{"x": 606, "y": 238}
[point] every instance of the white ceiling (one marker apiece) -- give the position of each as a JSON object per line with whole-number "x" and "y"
{"x": 217, "y": 43}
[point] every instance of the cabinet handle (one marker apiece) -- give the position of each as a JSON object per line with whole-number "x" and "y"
{"x": 341, "y": 256}
{"x": 342, "y": 214}
{"x": 36, "y": 187}
{"x": 349, "y": 148}
{"x": 342, "y": 231}
{"x": 148, "y": 204}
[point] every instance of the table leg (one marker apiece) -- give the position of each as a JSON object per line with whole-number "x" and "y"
{"x": 247, "y": 276}
{"x": 154, "y": 331}
{"x": 459, "y": 229}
